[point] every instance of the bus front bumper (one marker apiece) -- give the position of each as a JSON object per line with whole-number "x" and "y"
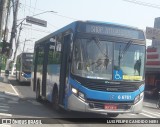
{"x": 76, "y": 104}
{"x": 23, "y": 79}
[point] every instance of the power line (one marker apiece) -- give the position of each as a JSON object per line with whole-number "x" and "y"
{"x": 144, "y": 3}
{"x": 54, "y": 13}
{"x": 37, "y": 30}
{"x": 66, "y": 17}
{"x": 35, "y": 6}
{"x": 30, "y": 6}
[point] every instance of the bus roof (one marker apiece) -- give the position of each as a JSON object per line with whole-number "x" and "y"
{"x": 111, "y": 23}
{"x": 74, "y": 24}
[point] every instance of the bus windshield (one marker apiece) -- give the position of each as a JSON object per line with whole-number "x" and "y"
{"x": 130, "y": 60}
{"x": 92, "y": 58}
{"x": 27, "y": 64}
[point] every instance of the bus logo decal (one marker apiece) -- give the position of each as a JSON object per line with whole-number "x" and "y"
{"x": 111, "y": 97}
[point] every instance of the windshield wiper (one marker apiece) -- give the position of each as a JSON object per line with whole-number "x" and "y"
{"x": 106, "y": 60}
{"x": 126, "y": 48}
{"x": 121, "y": 53}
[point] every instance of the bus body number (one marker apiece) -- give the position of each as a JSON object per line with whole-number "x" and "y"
{"x": 124, "y": 97}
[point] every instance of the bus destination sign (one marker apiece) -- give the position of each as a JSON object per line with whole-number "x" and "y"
{"x": 115, "y": 31}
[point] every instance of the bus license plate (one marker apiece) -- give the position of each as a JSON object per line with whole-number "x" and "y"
{"x": 107, "y": 106}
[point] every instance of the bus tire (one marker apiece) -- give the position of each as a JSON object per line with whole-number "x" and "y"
{"x": 38, "y": 97}
{"x": 55, "y": 99}
{"x": 112, "y": 114}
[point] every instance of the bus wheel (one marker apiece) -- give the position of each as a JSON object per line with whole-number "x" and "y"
{"x": 112, "y": 114}
{"x": 55, "y": 99}
{"x": 38, "y": 97}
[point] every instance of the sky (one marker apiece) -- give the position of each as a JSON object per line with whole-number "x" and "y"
{"x": 116, "y": 11}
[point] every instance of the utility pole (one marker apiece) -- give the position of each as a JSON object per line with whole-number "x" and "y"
{"x": 17, "y": 43}
{"x": 25, "y": 43}
{"x": 16, "y": 48}
{"x": 5, "y": 35}
{"x": 3, "y": 4}
{"x": 13, "y": 35}
{"x": 14, "y": 25}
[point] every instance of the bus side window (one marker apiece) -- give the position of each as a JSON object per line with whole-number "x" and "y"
{"x": 54, "y": 54}
{"x": 40, "y": 56}
{"x": 40, "y": 59}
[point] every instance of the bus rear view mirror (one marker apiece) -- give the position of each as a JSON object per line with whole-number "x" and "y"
{"x": 52, "y": 40}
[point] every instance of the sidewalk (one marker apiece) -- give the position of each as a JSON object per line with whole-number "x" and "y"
{"x": 6, "y": 88}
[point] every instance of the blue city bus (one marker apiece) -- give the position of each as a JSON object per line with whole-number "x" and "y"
{"x": 23, "y": 67}
{"x": 91, "y": 67}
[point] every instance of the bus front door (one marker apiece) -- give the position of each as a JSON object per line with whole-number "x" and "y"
{"x": 64, "y": 67}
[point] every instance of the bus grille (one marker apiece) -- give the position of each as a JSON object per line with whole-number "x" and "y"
{"x": 111, "y": 87}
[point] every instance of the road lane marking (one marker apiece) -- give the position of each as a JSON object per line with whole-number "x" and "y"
{"x": 147, "y": 115}
{"x": 151, "y": 113}
{"x": 5, "y": 114}
{"x": 10, "y": 93}
{"x": 14, "y": 90}
{"x": 13, "y": 102}
{"x": 10, "y": 96}
{"x": 3, "y": 125}
{"x": 2, "y": 106}
{"x": 132, "y": 114}
{"x": 4, "y": 110}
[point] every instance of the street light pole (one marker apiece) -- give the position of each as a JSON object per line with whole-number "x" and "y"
{"x": 17, "y": 43}
{"x": 25, "y": 43}
{"x": 36, "y": 15}
{"x": 15, "y": 13}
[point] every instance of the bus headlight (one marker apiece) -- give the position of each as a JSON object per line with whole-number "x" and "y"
{"x": 75, "y": 91}
{"x": 78, "y": 93}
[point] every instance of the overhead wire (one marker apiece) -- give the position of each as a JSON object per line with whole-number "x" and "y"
{"x": 53, "y": 13}
{"x": 39, "y": 30}
{"x": 35, "y": 6}
{"x": 143, "y": 3}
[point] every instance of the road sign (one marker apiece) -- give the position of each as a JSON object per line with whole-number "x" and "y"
{"x": 36, "y": 21}
{"x": 152, "y": 33}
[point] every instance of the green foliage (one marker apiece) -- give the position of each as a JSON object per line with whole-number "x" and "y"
{"x": 3, "y": 60}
